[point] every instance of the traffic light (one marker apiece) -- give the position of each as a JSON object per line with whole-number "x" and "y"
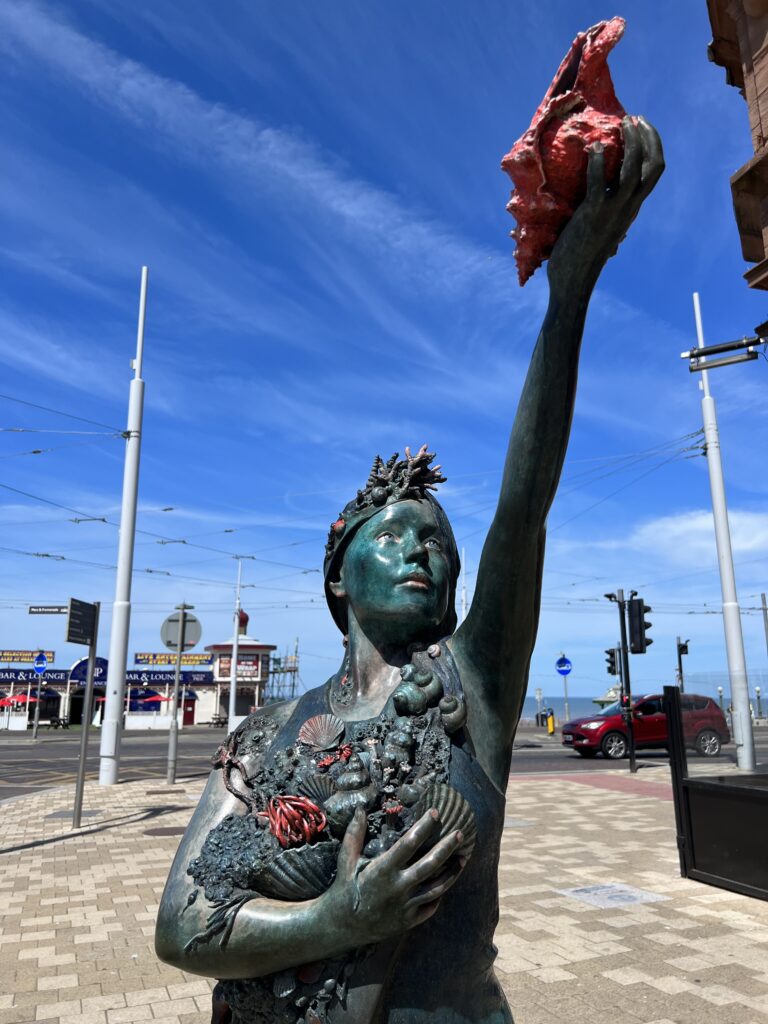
{"x": 639, "y": 641}
{"x": 611, "y": 667}
{"x": 682, "y": 648}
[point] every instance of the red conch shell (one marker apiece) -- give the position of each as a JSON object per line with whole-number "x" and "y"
{"x": 548, "y": 163}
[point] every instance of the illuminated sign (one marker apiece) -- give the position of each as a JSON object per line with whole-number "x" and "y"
{"x": 169, "y": 658}
{"x": 248, "y": 666}
{"x": 26, "y": 657}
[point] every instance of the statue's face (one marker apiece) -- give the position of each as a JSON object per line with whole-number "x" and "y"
{"x": 395, "y": 575}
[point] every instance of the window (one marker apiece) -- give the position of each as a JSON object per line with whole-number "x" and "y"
{"x": 649, "y": 707}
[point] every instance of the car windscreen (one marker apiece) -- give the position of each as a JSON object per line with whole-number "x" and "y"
{"x": 610, "y": 709}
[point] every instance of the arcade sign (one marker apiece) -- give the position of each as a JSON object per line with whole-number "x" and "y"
{"x": 26, "y": 657}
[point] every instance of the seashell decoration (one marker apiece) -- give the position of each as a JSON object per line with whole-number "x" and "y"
{"x": 354, "y": 788}
{"x": 409, "y": 699}
{"x": 284, "y": 984}
{"x": 354, "y": 776}
{"x": 321, "y": 732}
{"x": 299, "y": 873}
{"x": 455, "y": 813}
{"x": 318, "y": 787}
{"x": 453, "y": 712}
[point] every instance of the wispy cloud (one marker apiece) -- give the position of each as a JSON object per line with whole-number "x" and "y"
{"x": 177, "y": 119}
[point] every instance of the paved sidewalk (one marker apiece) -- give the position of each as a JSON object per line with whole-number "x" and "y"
{"x": 78, "y": 910}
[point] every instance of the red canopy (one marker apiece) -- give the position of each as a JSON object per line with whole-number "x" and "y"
{"x": 156, "y": 697}
{"x": 17, "y": 698}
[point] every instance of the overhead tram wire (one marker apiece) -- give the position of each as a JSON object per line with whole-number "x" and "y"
{"x": 650, "y": 453}
{"x": 45, "y": 451}
{"x": 161, "y": 573}
{"x": 53, "y": 430}
{"x": 678, "y": 456}
{"x": 60, "y": 412}
{"x": 161, "y": 539}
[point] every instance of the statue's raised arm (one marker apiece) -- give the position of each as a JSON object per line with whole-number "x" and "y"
{"x": 493, "y": 646}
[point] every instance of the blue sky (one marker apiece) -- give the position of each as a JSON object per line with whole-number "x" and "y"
{"x": 316, "y": 190}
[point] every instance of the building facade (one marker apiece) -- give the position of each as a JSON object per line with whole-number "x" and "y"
{"x": 740, "y": 45}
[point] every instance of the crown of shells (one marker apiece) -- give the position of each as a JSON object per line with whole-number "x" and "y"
{"x": 393, "y": 480}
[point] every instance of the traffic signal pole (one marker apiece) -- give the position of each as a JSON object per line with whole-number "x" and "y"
{"x": 682, "y": 648}
{"x": 734, "y": 640}
{"x": 626, "y": 688}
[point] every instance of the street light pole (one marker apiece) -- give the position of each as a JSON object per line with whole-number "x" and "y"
{"x": 734, "y": 640}
{"x": 463, "y": 586}
{"x": 235, "y": 652}
{"x": 112, "y": 725}
{"x": 173, "y": 735}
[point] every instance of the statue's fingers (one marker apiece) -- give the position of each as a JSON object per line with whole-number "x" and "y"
{"x": 632, "y": 164}
{"x": 405, "y": 849}
{"x": 595, "y": 172}
{"x": 352, "y": 844}
{"x": 431, "y": 863}
{"x": 653, "y": 154}
{"x": 436, "y": 887}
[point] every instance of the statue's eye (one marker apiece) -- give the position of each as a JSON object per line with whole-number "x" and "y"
{"x": 386, "y": 536}
{"x": 434, "y": 543}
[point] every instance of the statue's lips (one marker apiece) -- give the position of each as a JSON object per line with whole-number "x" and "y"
{"x": 416, "y": 581}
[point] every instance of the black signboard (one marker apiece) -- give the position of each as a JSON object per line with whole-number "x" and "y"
{"x": 81, "y": 623}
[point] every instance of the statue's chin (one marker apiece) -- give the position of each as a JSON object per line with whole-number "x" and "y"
{"x": 402, "y": 622}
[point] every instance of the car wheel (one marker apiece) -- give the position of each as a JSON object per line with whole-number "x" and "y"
{"x": 708, "y": 743}
{"x": 586, "y": 752}
{"x": 614, "y": 746}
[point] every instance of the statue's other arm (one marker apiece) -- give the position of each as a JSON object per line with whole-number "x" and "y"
{"x": 494, "y": 645}
{"x": 397, "y": 891}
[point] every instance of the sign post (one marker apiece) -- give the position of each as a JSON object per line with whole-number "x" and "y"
{"x": 564, "y": 666}
{"x": 179, "y": 632}
{"x": 78, "y": 633}
{"x": 40, "y": 664}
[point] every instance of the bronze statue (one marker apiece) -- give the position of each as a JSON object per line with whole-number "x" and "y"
{"x": 342, "y": 863}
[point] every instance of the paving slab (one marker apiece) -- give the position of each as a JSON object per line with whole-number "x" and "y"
{"x": 78, "y": 910}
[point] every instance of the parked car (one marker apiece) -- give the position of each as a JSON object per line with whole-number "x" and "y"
{"x": 704, "y": 727}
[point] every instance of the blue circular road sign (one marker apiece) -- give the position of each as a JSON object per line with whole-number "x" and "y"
{"x": 563, "y": 665}
{"x": 40, "y": 663}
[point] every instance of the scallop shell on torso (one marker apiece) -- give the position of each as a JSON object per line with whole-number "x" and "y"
{"x": 299, "y": 873}
{"x": 322, "y": 731}
{"x": 455, "y": 813}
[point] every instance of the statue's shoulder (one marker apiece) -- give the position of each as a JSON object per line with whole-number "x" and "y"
{"x": 255, "y": 733}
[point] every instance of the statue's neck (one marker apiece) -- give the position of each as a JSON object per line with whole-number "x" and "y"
{"x": 373, "y": 668}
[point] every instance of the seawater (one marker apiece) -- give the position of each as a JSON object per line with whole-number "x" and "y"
{"x": 578, "y": 707}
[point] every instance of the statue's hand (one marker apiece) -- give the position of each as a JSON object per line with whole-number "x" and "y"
{"x": 601, "y": 221}
{"x": 397, "y": 890}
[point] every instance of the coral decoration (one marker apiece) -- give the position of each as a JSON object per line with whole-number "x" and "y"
{"x": 294, "y": 820}
{"x": 548, "y": 164}
{"x": 342, "y": 754}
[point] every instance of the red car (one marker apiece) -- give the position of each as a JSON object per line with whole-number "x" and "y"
{"x": 704, "y": 726}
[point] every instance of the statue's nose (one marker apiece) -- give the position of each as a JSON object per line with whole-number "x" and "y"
{"x": 415, "y": 550}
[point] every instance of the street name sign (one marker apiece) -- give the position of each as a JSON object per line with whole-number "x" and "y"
{"x": 48, "y": 609}
{"x": 81, "y": 623}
